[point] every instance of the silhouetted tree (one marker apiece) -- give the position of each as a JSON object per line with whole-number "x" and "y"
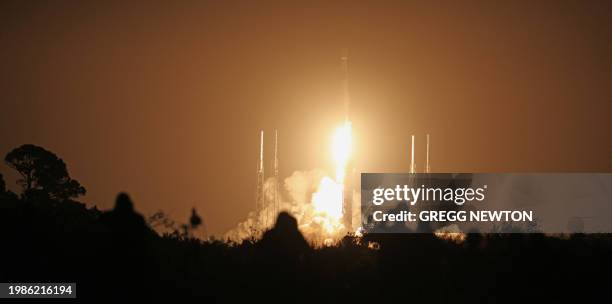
{"x": 6, "y": 194}
{"x": 42, "y": 171}
{"x": 160, "y": 221}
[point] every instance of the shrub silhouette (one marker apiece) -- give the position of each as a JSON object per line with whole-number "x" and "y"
{"x": 114, "y": 254}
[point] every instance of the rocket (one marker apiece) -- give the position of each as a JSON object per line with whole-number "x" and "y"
{"x": 347, "y": 195}
{"x": 345, "y": 85}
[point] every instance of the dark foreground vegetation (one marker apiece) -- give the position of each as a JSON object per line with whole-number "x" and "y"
{"x": 48, "y": 236}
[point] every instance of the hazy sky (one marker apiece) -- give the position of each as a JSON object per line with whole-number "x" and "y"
{"x": 165, "y": 100}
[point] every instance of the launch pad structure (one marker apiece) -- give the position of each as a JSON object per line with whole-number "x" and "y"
{"x": 268, "y": 201}
{"x": 413, "y": 168}
{"x": 260, "y": 195}
{"x": 266, "y": 209}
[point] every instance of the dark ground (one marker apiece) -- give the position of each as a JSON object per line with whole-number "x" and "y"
{"x": 115, "y": 254}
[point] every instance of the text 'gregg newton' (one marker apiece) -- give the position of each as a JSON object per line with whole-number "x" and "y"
{"x": 454, "y": 216}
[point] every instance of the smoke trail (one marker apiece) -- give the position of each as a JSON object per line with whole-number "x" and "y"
{"x": 303, "y": 195}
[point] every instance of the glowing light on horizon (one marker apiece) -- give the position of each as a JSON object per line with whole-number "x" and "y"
{"x": 328, "y": 199}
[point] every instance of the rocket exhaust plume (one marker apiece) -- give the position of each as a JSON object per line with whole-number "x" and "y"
{"x": 333, "y": 199}
{"x": 345, "y": 165}
{"x": 321, "y": 204}
{"x": 313, "y": 197}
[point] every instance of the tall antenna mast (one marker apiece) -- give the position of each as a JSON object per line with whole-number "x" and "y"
{"x": 260, "y": 199}
{"x": 276, "y": 181}
{"x": 261, "y": 151}
{"x": 412, "y": 165}
{"x": 427, "y": 169}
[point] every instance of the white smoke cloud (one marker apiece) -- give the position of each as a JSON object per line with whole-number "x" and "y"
{"x": 296, "y": 198}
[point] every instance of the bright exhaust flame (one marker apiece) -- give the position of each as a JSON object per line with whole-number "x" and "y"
{"x": 328, "y": 199}
{"x": 341, "y": 149}
{"x": 316, "y": 200}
